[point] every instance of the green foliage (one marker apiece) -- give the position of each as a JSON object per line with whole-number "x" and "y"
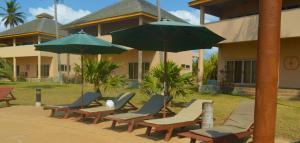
{"x": 195, "y": 67}
{"x": 179, "y": 84}
{"x": 11, "y": 16}
{"x": 6, "y": 70}
{"x": 210, "y": 68}
{"x": 100, "y": 74}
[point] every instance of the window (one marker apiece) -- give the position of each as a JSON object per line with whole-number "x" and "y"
{"x": 185, "y": 67}
{"x": 45, "y": 70}
{"x": 133, "y": 70}
{"x": 242, "y": 71}
{"x": 64, "y": 67}
{"x": 18, "y": 70}
{"x": 27, "y": 67}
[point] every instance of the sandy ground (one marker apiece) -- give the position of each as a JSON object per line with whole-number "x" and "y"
{"x": 28, "y": 124}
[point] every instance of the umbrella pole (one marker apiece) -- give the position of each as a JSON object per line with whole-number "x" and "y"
{"x": 165, "y": 82}
{"x": 81, "y": 58}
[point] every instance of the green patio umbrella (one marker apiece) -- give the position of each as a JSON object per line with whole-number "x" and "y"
{"x": 168, "y": 36}
{"x": 81, "y": 44}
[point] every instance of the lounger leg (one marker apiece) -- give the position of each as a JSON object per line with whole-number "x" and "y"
{"x": 52, "y": 113}
{"x": 113, "y": 125}
{"x": 98, "y": 117}
{"x": 131, "y": 126}
{"x": 81, "y": 118}
{"x": 7, "y": 103}
{"x": 169, "y": 134}
{"x": 193, "y": 140}
{"x": 148, "y": 131}
{"x": 67, "y": 112}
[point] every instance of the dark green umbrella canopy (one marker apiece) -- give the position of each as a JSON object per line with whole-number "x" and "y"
{"x": 80, "y": 43}
{"x": 167, "y": 35}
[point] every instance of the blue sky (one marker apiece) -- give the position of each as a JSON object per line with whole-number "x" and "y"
{"x": 70, "y": 10}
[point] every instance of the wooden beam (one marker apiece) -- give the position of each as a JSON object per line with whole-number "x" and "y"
{"x": 268, "y": 59}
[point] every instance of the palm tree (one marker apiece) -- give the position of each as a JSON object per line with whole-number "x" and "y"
{"x": 12, "y": 16}
{"x": 100, "y": 74}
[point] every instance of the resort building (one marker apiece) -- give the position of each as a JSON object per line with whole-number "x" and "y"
{"x": 125, "y": 14}
{"x": 17, "y": 46}
{"x": 238, "y": 24}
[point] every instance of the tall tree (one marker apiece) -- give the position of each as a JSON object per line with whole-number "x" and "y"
{"x": 11, "y": 14}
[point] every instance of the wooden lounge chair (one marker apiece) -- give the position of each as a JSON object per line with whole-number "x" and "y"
{"x": 151, "y": 108}
{"x": 122, "y": 103}
{"x": 6, "y": 95}
{"x": 84, "y": 101}
{"x": 186, "y": 117}
{"x": 238, "y": 126}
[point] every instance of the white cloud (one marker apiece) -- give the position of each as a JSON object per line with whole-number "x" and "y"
{"x": 209, "y": 52}
{"x": 65, "y": 14}
{"x": 2, "y": 27}
{"x": 193, "y": 16}
{"x": 189, "y": 16}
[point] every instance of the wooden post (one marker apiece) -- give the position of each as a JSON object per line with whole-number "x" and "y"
{"x": 201, "y": 52}
{"x": 140, "y": 58}
{"x": 268, "y": 56}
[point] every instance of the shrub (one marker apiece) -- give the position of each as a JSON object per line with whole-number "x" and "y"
{"x": 100, "y": 74}
{"x": 179, "y": 84}
{"x": 6, "y": 70}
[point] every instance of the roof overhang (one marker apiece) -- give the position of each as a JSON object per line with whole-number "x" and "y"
{"x": 110, "y": 19}
{"x": 197, "y": 3}
{"x": 27, "y": 34}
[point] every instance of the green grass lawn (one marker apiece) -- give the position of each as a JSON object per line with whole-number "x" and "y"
{"x": 288, "y": 116}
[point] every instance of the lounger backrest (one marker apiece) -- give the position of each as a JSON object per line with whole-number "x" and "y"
{"x": 154, "y": 104}
{"x": 5, "y": 91}
{"x": 122, "y": 99}
{"x": 193, "y": 111}
{"x": 243, "y": 116}
{"x": 86, "y": 99}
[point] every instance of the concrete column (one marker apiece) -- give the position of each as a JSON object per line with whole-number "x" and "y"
{"x": 39, "y": 67}
{"x": 68, "y": 65}
{"x": 59, "y": 75}
{"x": 201, "y": 51}
{"x": 140, "y": 58}
{"x": 14, "y": 42}
{"x": 39, "y": 39}
{"x": 15, "y": 68}
{"x": 99, "y": 35}
{"x": 99, "y": 30}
